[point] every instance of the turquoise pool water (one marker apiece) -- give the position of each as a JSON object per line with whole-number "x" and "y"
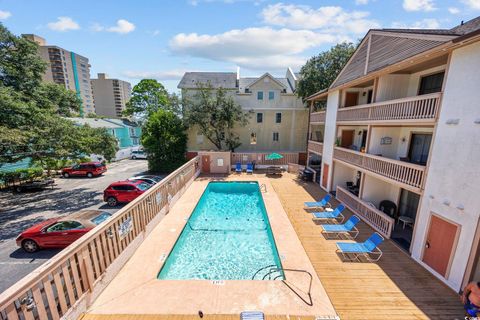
{"x": 228, "y": 237}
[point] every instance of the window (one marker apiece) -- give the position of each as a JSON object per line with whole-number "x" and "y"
{"x": 100, "y": 218}
{"x": 275, "y": 136}
{"x": 271, "y": 95}
{"x": 253, "y": 138}
{"x": 432, "y": 83}
{"x": 260, "y": 95}
{"x": 259, "y": 117}
{"x": 64, "y": 226}
{"x": 278, "y": 117}
{"x": 199, "y": 138}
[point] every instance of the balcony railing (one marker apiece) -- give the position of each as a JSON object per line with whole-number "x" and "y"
{"x": 65, "y": 285}
{"x": 378, "y": 220}
{"x": 411, "y": 175}
{"x": 317, "y": 116}
{"x": 315, "y": 146}
{"x": 422, "y": 108}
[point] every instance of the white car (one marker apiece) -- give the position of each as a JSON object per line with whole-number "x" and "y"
{"x": 138, "y": 154}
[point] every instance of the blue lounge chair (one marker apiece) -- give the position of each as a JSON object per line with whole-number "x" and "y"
{"x": 328, "y": 215}
{"x": 367, "y": 249}
{"x": 319, "y": 204}
{"x": 249, "y": 167}
{"x": 238, "y": 167}
{"x": 346, "y": 228}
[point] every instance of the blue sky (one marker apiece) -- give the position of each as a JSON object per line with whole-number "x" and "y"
{"x": 131, "y": 39}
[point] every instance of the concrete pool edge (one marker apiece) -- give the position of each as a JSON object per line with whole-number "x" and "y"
{"x": 137, "y": 291}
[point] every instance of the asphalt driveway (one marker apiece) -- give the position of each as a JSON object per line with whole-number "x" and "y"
{"x": 20, "y": 211}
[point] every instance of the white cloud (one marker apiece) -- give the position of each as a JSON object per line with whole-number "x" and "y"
{"x": 123, "y": 26}
{"x": 419, "y": 5}
{"x": 332, "y": 18}
{"x": 361, "y": 2}
{"x": 5, "y": 15}
{"x": 454, "y": 10}
{"x": 254, "y": 48}
{"x": 422, "y": 24}
{"x": 473, "y": 4}
{"x": 63, "y": 24}
{"x": 159, "y": 75}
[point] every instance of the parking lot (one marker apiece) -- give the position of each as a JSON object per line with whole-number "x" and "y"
{"x": 22, "y": 210}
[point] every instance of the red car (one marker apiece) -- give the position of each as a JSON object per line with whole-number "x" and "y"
{"x": 124, "y": 191}
{"x": 87, "y": 169}
{"x": 60, "y": 232}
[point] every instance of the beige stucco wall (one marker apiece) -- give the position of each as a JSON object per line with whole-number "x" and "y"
{"x": 219, "y": 161}
{"x": 292, "y": 130}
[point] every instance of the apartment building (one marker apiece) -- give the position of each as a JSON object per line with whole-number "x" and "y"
{"x": 396, "y": 138}
{"x": 67, "y": 68}
{"x": 111, "y": 95}
{"x": 279, "y": 119}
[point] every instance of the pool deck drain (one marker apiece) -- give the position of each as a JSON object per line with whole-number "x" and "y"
{"x": 136, "y": 289}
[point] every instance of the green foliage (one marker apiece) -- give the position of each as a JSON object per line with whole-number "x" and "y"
{"x": 320, "y": 71}
{"x": 10, "y": 177}
{"x": 164, "y": 140}
{"x": 32, "y": 123}
{"x": 148, "y": 96}
{"x": 20, "y": 67}
{"x": 216, "y": 115}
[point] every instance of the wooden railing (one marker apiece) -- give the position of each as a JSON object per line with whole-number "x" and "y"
{"x": 372, "y": 216}
{"x": 317, "y": 116}
{"x": 407, "y": 173}
{"x": 315, "y": 146}
{"x": 422, "y": 108}
{"x": 72, "y": 278}
{"x": 259, "y": 158}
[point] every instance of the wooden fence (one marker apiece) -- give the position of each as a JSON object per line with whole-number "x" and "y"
{"x": 259, "y": 158}
{"x": 72, "y": 278}
{"x": 419, "y": 108}
{"x": 377, "y": 219}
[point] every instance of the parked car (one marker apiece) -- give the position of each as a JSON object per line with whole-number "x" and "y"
{"x": 147, "y": 178}
{"x": 138, "y": 154}
{"x": 60, "y": 232}
{"x": 37, "y": 184}
{"x": 87, "y": 169}
{"x": 124, "y": 191}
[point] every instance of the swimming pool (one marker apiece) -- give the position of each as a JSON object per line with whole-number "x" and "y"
{"x": 227, "y": 237}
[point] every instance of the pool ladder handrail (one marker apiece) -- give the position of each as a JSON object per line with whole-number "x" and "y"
{"x": 263, "y": 188}
{"x": 274, "y": 268}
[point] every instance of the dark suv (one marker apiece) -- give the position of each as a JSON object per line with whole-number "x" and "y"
{"x": 87, "y": 169}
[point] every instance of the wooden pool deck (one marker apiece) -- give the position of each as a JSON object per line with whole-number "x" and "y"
{"x": 396, "y": 287}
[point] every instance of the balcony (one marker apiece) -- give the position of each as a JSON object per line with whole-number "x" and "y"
{"x": 423, "y": 109}
{"x": 378, "y": 220}
{"x": 317, "y": 117}
{"x": 315, "y": 147}
{"x": 410, "y": 176}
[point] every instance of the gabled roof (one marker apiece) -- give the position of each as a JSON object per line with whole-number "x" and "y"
{"x": 227, "y": 80}
{"x": 276, "y": 80}
{"x": 381, "y": 48}
{"x": 96, "y": 123}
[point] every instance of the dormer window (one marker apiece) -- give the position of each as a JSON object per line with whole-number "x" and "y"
{"x": 247, "y": 90}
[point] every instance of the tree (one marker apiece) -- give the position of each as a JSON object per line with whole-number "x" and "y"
{"x": 216, "y": 115}
{"x": 164, "y": 140}
{"x": 148, "y": 96}
{"x": 320, "y": 71}
{"x": 31, "y": 122}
